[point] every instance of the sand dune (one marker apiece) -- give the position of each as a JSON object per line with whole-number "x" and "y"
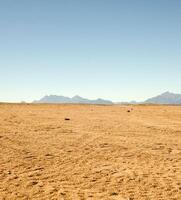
{"x": 101, "y": 153}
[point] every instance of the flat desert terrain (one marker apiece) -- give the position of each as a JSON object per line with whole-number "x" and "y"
{"x": 101, "y": 153}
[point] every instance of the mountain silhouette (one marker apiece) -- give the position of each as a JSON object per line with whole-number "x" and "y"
{"x": 76, "y": 99}
{"x": 165, "y": 98}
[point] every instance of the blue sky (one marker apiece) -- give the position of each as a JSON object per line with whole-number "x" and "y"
{"x": 114, "y": 49}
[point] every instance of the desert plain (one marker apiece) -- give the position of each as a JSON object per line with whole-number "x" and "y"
{"x": 100, "y": 153}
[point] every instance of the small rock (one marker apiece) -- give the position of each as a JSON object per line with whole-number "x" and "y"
{"x": 67, "y": 119}
{"x": 114, "y": 193}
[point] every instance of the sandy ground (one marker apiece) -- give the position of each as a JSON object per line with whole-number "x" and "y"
{"x": 102, "y": 152}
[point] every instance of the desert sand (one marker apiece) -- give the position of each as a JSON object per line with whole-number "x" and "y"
{"x": 101, "y": 153}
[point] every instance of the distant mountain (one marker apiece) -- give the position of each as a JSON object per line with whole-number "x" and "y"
{"x": 165, "y": 98}
{"x": 75, "y": 99}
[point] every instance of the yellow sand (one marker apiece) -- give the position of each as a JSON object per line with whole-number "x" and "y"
{"x": 101, "y": 153}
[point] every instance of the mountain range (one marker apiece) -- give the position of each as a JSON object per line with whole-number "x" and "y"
{"x": 75, "y": 99}
{"x": 164, "y": 98}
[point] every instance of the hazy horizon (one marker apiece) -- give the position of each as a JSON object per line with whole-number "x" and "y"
{"x": 116, "y": 50}
{"x": 97, "y": 98}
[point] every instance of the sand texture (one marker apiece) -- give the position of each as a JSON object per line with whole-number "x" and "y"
{"x": 101, "y": 153}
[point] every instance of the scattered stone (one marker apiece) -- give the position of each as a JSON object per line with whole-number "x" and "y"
{"x": 67, "y": 119}
{"x": 114, "y": 194}
{"x": 48, "y": 154}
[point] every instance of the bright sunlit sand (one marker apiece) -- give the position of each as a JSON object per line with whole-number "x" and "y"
{"x": 76, "y": 152}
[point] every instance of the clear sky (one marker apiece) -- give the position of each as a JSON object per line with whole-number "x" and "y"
{"x": 114, "y": 49}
